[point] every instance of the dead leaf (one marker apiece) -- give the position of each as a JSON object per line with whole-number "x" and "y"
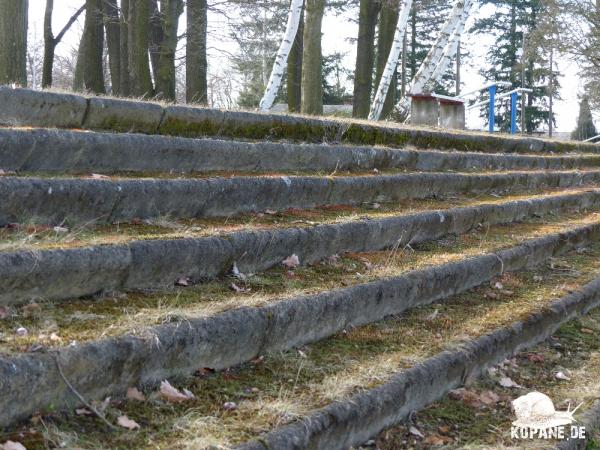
{"x": 583, "y": 330}
{"x": 60, "y": 229}
{"x": 508, "y": 383}
{"x": 444, "y": 429}
{"x": 10, "y": 445}
{"x": 7, "y": 172}
{"x": 21, "y": 331}
{"x": 31, "y": 309}
{"x": 436, "y": 439}
{"x": 240, "y": 290}
{"x": 489, "y": 398}
{"x": 291, "y": 261}
{"x": 174, "y": 395}
{"x": 4, "y": 313}
{"x": 229, "y": 406}
{"x": 236, "y": 273}
{"x": 536, "y": 358}
{"x": 126, "y": 422}
{"x": 491, "y": 295}
{"x": 498, "y": 285}
{"x": 134, "y": 394}
{"x": 270, "y": 212}
{"x": 183, "y": 281}
{"x": 561, "y": 376}
{"x": 97, "y": 176}
{"x": 432, "y": 316}
{"x": 83, "y": 412}
{"x": 415, "y": 432}
{"x": 538, "y": 278}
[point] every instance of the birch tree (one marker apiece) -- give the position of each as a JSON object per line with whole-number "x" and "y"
{"x": 451, "y": 48}
{"x": 282, "y": 55}
{"x": 392, "y": 62}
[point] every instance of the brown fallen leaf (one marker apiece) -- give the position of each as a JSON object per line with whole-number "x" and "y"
{"x": 415, "y": 432}
{"x": 174, "y": 395}
{"x": 4, "y": 312}
{"x": 587, "y": 331}
{"x": 31, "y": 309}
{"x": 489, "y": 398}
{"x": 240, "y": 290}
{"x": 291, "y": 261}
{"x": 508, "y": 383}
{"x": 126, "y": 422}
{"x": 444, "y": 429}
{"x": 536, "y": 358}
{"x": 134, "y": 394}
{"x": 10, "y": 445}
{"x": 436, "y": 439}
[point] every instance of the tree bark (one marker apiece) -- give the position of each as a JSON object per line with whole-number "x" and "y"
{"x": 165, "y": 75}
{"x": 125, "y": 85}
{"x": 110, "y": 12}
{"x": 196, "y": 64}
{"x": 312, "y": 76}
{"x": 294, "y": 70}
{"x": 139, "y": 66}
{"x": 388, "y": 21}
{"x": 49, "y": 46}
{"x": 89, "y": 75}
{"x": 13, "y": 41}
{"x": 365, "y": 57}
{"x": 281, "y": 58}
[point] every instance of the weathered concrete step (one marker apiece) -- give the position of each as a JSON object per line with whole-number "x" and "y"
{"x": 119, "y": 312}
{"x": 355, "y": 420}
{"x": 99, "y": 201}
{"x": 50, "y": 109}
{"x": 31, "y": 382}
{"x": 51, "y": 150}
{"x": 68, "y": 273}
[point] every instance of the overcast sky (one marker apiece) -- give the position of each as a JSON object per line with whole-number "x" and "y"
{"x": 336, "y": 33}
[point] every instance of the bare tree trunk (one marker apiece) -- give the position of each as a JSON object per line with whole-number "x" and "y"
{"x": 13, "y": 41}
{"x": 294, "y": 70}
{"x": 110, "y": 11}
{"x": 49, "y": 46}
{"x": 388, "y": 21}
{"x": 403, "y": 66}
{"x": 165, "y": 75}
{"x": 196, "y": 64}
{"x": 551, "y": 93}
{"x": 139, "y": 66}
{"x": 281, "y": 58}
{"x": 458, "y": 81}
{"x": 365, "y": 57}
{"x": 312, "y": 76}
{"x": 125, "y": 85}
{"x": 89, "y": 74}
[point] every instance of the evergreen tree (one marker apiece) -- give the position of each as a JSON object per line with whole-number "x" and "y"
{"x": 257, "y": 35}
{"x": 585, "y": 123}
{"x": 510, "y": 22}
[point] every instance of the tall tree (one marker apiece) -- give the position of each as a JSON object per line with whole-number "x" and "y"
{"x": 294, "y": 70}
{"x": 138, "y": 37}
{"x": 585, "y": 123}
{"x": 13, "y": 41}
{"x": 365, "y": 57}
{"x": 50, "y": 41}
{"x": 518, "y": 58}
{"x": 196, "y": 62}
{"x": 124, "y": 74}
{"x": 110, "y": 12}
{"x": 388, "y": 20}
{"x": 89, "y": 73}
{"x": 165, "y": 74}
{"x": 312, "y": 77}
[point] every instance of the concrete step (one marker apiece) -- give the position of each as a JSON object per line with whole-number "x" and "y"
{"x": 24, "y": 107}
{"x": 73, "y": 200}
{"x": 65, "y": 151}
{"x": 301, "y": 383}
{"x": 54, "y": 274}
